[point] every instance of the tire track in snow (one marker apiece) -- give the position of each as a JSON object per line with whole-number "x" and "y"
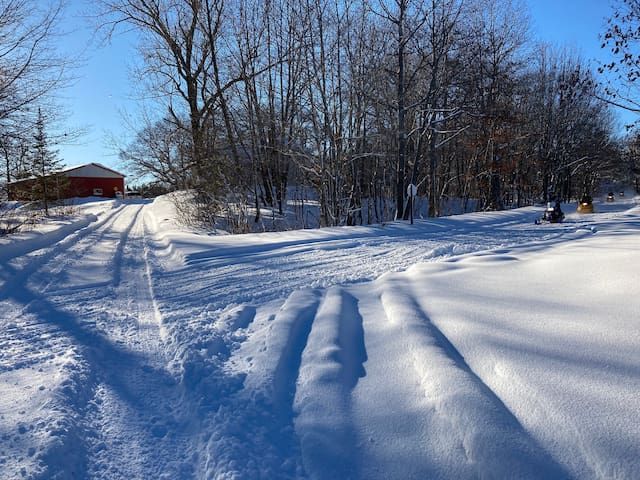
{"x": 29, "y": 264}
{"x": 136, "y": 417}
{"x": 478, "y": 435}
{"x": 255, "y": 432}
{"x": 251, "y": 432}
{"x": 19, "y": 249}
{"x": 391, "y": 412}
{"x": 248, "y": 424}
{"x": 46, "y": 343}
{"x": 332, "y": 364}
{"x": 90, "y": 259}
{"x": 106, "y": 390}
{"x": 292, "y": 324}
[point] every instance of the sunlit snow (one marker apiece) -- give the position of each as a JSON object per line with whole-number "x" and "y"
{"x": 472, "y": 346}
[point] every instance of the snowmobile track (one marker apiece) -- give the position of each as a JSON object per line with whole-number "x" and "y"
{"x": 332, "y": 363}
{"x": 89, "y": 297}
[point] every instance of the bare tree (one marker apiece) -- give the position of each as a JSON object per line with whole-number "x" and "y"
{"x": 182, "y": 44}
{"x": 406, "y": 17}
{"x": 569, "y": 128}
{"x": 631, "y": 161}
{"x": 438, "y": 106}
{"x": 357, "y": 99}
{"x": 495, "y": 55}
{"x": 426, "y": 35}
{"x": 30, "y": 66}
{"x": 32, "y": 70}
{"x": 622, "y": 38}
{"x": 161, "y": 150}
{"x": 270, "y": 42}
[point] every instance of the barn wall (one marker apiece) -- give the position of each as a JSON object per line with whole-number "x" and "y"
{"x": 85, "y": 187}
{"x": 76, "y": 187}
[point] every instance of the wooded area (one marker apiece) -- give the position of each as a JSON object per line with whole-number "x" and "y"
{"x": 346, "y": 103}
{"x": 356, "y": 100}
{"x": 32, "y": 72}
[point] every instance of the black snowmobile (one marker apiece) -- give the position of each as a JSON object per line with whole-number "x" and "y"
{"x": 552, "y": 214}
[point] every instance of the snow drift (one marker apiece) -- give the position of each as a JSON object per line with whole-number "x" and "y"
{"x": 480, "y": 345}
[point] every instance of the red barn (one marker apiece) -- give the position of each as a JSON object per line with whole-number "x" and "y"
{"x": 90, "y": 180}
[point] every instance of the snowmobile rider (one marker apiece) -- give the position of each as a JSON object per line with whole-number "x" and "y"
{"x": 553, "y": 214}
{"x": 558, "y": 215}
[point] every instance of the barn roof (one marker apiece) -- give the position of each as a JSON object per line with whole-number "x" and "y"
{"x": 91, "y": 165}
{"x": 80, "y": 171}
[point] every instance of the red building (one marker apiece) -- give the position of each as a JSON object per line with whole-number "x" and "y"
{"x": 90, "y": 180}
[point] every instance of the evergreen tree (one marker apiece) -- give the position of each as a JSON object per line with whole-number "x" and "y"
{"x": 44, "y": 167}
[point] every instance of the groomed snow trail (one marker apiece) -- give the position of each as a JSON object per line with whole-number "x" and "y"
{"x": 372, "y": 387}
{"x": 240, "y": 313}
{"x": 106, "y": 401}
{"x": 381, "y": 393}
{"x": 135, "y": 349}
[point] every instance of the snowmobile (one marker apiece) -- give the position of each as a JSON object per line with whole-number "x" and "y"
{"x": 585, "y": 205}
{"x": 610, "y": 197}
{"x": 552, "y": 214}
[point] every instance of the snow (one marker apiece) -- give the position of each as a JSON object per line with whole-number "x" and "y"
{"x": 472, "y": 346}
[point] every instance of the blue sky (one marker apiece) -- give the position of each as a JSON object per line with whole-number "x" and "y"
{"x": 103, "y": 90}
{"x": 574, "y": 23}
{"x": 101, "y": 93}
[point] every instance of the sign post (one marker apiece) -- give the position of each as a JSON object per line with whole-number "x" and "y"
{"x": 412, "y": 191}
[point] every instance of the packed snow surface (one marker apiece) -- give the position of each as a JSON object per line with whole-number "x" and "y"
{"x": 473, "y": 346}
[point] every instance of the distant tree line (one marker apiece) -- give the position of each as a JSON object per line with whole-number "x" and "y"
{"x": 355, "y": 100}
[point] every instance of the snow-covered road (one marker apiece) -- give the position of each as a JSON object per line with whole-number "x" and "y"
{"x": 81, "y": 347}
{"x": 473, "y": 346}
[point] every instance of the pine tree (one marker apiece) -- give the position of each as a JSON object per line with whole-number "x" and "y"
{"x": 45, "y": 164}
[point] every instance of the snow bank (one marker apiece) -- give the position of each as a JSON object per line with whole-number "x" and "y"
{"x": 554, "y": 333}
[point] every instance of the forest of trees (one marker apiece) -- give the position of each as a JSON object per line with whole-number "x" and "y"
{"x": 354, "y": 101}
{"x": 345, "y": 103}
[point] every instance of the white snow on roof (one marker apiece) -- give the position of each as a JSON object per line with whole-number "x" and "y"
{"x": 91, "y": 170}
